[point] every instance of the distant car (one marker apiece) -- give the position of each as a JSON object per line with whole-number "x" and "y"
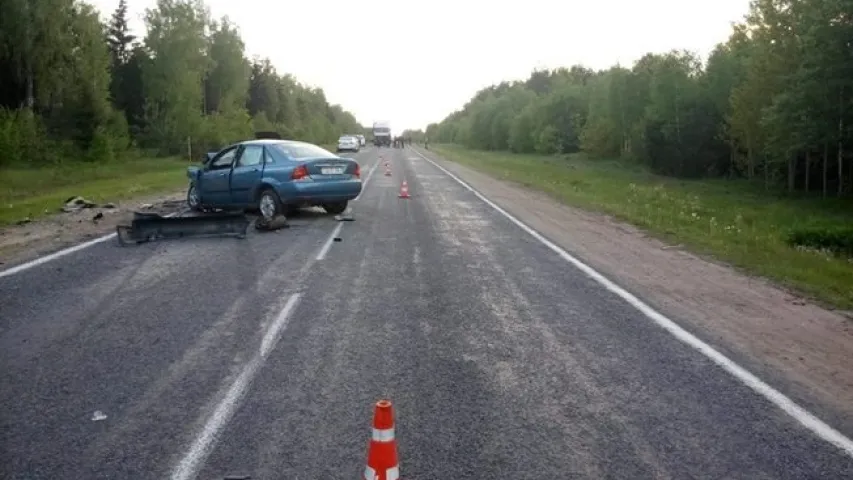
{"x": 273, "y": 176}
{"x": 348, "y": 144}
{"x": 361, "y": 140}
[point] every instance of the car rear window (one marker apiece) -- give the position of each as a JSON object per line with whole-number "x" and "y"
{"x": 302, "y": 150}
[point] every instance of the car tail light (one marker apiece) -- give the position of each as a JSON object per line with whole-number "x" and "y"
{"x": 299, "y": 173}
{"x": 357, "y": 173}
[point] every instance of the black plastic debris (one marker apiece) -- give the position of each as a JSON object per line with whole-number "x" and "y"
{"x": 146, "y": 227}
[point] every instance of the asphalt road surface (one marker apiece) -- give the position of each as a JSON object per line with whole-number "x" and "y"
{"x": 212, "y": 357}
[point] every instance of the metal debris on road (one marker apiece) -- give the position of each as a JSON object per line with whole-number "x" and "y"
{"x": 98, "y": 416}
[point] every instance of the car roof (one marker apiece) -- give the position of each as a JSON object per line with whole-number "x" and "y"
{"x": 270, "y": 141}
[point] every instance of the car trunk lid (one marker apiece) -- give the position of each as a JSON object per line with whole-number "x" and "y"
{"x": 328, "y": 169}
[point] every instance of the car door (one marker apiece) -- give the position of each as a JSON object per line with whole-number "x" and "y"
{"x": 246, "y": 174}
{"x": 214, "y": 186}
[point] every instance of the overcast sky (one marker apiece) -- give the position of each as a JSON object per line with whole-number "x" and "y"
{"x": 413, "y": 62}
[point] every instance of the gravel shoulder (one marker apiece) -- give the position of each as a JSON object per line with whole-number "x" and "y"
{"x": 22, "y": 243}
{"x": 804, "y": 349}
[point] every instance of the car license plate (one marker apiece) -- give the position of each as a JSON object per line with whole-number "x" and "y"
{"x": 332, "y": 170}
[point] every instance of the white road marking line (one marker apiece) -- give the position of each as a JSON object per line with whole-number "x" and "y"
{"x": 202, "y": 446}
{"x": 367, "y": 180}
{"x": 326, "y": 246}
{"x": 59, "y": 254}
{"x": 798, "y": 413}
{"x": 54, "y": 256}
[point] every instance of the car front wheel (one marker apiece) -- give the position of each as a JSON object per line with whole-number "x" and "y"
{"x": 335, "y": 208}
{"x": 193, "y": 200}
{"x": 269, "y": 204}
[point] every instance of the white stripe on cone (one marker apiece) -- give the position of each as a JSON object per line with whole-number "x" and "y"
{"x": 386, "y": 435}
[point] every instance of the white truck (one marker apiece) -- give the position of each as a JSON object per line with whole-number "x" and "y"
{"x": 381, "y": 134}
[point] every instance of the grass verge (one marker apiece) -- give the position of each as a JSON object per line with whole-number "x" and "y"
{"x": 34, "y": 193}
{"x": 730, "y": 220}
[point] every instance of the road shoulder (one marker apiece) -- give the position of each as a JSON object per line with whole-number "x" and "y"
{"x": 23, "y": 243}
{"x": 775, "y": 333}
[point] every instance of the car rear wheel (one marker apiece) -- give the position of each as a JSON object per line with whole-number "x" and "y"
{"x": 335, "y": 208}
{"x": 269, "y": 204}
{"x": 193, "y": 200}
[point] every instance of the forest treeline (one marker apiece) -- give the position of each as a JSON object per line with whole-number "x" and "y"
{"x": 774, "y": 103}
{"x": 76, "y": 87}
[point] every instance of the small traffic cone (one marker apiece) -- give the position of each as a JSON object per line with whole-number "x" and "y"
{"x": 404, "y": 190}
{"x": 387, "y": 171}
{"x": 382, "y": 449}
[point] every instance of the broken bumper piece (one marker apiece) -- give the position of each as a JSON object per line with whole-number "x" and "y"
{"x": 146, "y": 227}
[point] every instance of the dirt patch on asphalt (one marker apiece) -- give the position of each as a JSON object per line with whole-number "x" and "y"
{"x": 21, "y": 243}
{"x": 776, "y": 334}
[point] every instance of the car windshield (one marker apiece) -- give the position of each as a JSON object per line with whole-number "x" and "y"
{"x": 302, "y": 150}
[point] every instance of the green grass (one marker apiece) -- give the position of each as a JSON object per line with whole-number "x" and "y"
{"x": 730, "y": 220}
{"x": 33, "y": 193}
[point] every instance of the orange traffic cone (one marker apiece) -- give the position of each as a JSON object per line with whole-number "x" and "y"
{"x": 404, "y": 190}
{"x": 382, "y": 449}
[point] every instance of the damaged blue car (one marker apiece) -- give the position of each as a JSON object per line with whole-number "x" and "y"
{"x": 273, "y": 176}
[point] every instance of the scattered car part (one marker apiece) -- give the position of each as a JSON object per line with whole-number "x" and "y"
{"x": 276, "y": 223}
{"x": 74, "y": 204}
{"x": 146, "y": 227}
